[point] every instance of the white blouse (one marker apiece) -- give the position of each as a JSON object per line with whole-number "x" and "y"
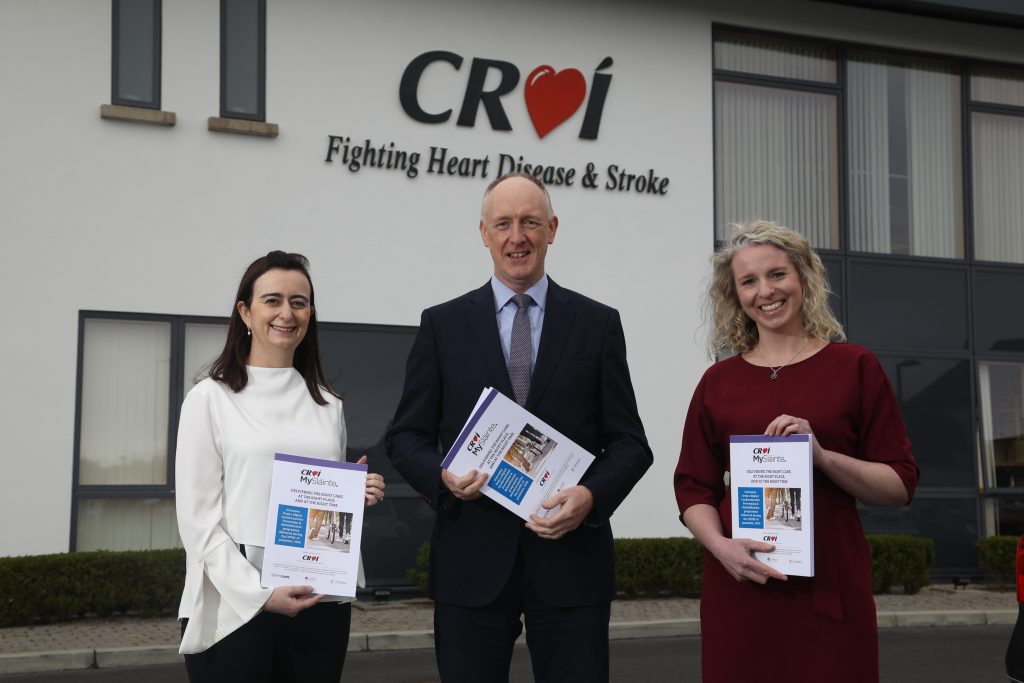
{"x": 223, "y": 467}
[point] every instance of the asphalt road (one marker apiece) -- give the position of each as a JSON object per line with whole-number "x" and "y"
{"x": 949, "y": 654}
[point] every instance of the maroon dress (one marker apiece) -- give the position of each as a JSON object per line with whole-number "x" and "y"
{"x": 805, "y": 629}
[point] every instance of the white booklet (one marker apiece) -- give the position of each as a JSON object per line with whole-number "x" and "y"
{"x": 526, "y": 460}
{"x": 771, "y": 481}
{"x": 314, "y": 525}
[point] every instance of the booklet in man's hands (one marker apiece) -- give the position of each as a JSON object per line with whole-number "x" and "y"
{"x": 526, "y": 460}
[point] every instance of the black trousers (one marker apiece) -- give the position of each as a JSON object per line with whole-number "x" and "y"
{"x": 273, "y": 648}
{"x": 567, "y": 644}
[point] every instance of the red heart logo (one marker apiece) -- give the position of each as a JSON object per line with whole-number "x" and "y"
{"x": 552, "y": 97}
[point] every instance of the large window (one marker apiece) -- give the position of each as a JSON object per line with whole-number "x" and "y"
{"x": 913, "y": 192}
{"x": 134, "y": 372}
{"x": 136, "y": 53}
{"x": 132, "y": 379}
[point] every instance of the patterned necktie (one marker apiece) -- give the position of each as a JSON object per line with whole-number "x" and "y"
{"x": 520, "y": 352}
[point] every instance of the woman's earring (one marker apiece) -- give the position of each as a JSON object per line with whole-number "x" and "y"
{"x": 248, "y": 332}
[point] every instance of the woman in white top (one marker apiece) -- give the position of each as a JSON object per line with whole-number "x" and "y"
{"x": 266, "y": 394}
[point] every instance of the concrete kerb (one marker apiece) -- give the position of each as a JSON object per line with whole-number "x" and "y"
{"x": 110, "y": 657}
{"x": 947, "y": 618}
{"x": 424, "y": 639}
{"x": 665, "y": 628}
{"x": 46, "y": 661}
{"x": 401, "y": 640}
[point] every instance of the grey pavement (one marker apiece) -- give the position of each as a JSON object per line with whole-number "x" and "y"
{"x": 407, "y": 624}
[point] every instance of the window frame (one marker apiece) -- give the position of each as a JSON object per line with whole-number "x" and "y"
{"x": 261, "y": 80}
{"x": 176, "y": 396}
{"x": 156, "y": 57}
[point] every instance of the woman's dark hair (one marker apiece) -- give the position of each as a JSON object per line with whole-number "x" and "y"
{"x": 229, "y": 367}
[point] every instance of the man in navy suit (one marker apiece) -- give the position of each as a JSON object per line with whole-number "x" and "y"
{"x": 567, "y": 365}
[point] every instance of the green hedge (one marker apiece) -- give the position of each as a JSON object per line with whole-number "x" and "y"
{"x": 658, "y": 566}
{"x": 900, "y": 561}
{"x": 420, "y": 573}
{"x": 643, "y": 566}
{"x": 675, "y": 566}
{"x": 71, "y": 585}
{"x": 148, "y": 582}
{"x": 997, "y": 556}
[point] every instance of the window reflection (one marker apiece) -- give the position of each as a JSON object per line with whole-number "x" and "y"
{"x": 935, "y": 400}
{"x": 366, "y": 365}
{"x": 907, "y": 307}
{"x": 997, "y": 327}
{"x": 1002, "y": 422}
{"x": 952, "y": 523}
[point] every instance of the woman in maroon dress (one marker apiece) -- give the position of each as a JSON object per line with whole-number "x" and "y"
{"x": 769, "y": 305}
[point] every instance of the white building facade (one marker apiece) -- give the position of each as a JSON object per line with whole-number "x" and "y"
{"x": 362, "y": 135}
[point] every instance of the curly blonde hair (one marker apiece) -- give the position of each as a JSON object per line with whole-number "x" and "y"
{"x": 731, "y": 329}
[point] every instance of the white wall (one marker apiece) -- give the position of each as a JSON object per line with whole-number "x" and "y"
{"x": 119, "y": 216}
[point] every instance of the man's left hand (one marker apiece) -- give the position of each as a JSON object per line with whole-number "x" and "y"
{"x": 576, "y": 502}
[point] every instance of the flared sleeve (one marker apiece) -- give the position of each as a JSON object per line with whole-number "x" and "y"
{"x": 222, "y": 590}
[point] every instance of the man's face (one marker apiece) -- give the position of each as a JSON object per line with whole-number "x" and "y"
{"x": 516, "y": 228}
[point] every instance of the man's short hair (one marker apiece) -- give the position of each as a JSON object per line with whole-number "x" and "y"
{"x": 517, "y": 174}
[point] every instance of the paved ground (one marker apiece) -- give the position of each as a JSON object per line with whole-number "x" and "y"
{"x": 407, "y": 624}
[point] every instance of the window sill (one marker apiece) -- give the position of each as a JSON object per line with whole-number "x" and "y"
{"x": 220, "y": 124}
{"x": 118, "y": 112}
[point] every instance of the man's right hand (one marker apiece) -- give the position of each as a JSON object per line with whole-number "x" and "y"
{"x": 466, "y": 487}
{"x": 290, "y": 600}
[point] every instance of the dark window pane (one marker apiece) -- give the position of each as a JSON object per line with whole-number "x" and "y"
{"x": 242, "y": 65}
{"x": 997, "y": 325}
{"x": 393, "y": 532}
{"x": 1010, "y": 517}
{"x": 907, "y": 306}
{"x": 366, "y": 365}
{"x": 935, "y": 401}
{"x": 137, "y": 52}
{"x": 834, "y": 268}
{"x": 952, "y": 523}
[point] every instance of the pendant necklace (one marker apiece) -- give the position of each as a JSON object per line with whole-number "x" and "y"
{"x": 775, "y": 370}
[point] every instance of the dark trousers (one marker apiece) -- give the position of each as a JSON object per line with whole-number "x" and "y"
{"x": 273, "y": 648}
{"x": 567, "y": 644}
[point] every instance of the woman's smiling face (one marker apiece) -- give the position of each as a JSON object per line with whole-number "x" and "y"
{"x": 278, "y": 317}
{"x": 768, "y": 288}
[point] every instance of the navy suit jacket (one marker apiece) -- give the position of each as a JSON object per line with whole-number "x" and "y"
{"x": 580, "y": 386}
